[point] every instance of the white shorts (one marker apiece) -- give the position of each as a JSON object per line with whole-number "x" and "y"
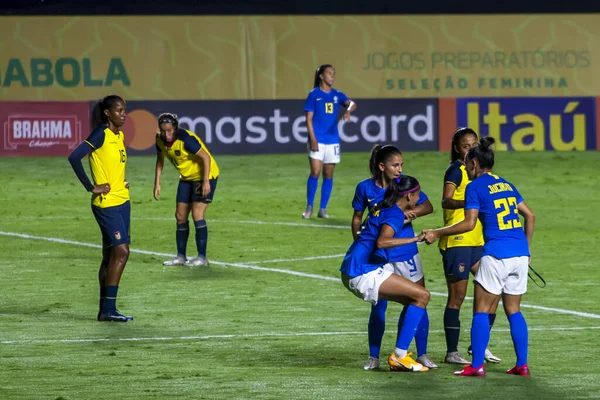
{"x": 328, "y": 153}
{"x": 366, "y": 286}
{"x": 411, "y": 269}
{"x": 503, "y": 275}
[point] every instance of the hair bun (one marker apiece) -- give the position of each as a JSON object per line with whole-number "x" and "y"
{"x": 487, "y": 142}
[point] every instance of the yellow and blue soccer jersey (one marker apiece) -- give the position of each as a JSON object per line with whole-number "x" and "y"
{"x": 394, "y": 217}
{"x": 497, "y": 201}
{"x": 359, "y": 258}
{"x": 182, "y": 154}
{"x": 325, "y": 107}
{"x": 107, "y": 164}
{"x": 456, "y": 174}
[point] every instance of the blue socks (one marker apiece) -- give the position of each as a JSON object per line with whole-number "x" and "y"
{"x": 410, "y": 323}
{"x": 110, "y": 301}
{"x": 326, "y": 187}
{"x": 181, "y": 236}
{"x": 492, "y": 320}
{"x": 452, "y": 328}
{"x": 376, "y": 327}
{"x": 201, "y": 237}
{"x": 311, "y": 190}
{"x": 422, "y": 334}
{"x": 518, "y": 331}
{"x": 480, "y": 337}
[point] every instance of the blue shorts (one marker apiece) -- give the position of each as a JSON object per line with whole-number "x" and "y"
{"x": 114, "y": 223}
{"x": 458, "y": 261}
{"x": 190, "y": 192}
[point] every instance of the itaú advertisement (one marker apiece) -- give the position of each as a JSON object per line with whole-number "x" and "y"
{"x": 525, "y": 123}
{"x": 42, "y": 128}
{"x": 270, "y": 127}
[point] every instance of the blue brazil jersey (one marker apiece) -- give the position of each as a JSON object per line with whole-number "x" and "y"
{"x": 368, "y": 194}
{"x": 394, "y": 217}
{"x": 497, "y": 200}
{"x": 325, "y": 107}
{"x": 359, "y": 258}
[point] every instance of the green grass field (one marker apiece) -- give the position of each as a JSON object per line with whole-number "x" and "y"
{"x": 265, "y": 320}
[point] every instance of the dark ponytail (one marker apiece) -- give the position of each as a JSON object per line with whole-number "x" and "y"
{"x": 106, "y": 103}
{"x": 483, "y": 153}
{"x": 456, "y": 138}
{"x": 398, "y": 187}
{"x": 318, "y": 73}
{"x": 380, "y": 154}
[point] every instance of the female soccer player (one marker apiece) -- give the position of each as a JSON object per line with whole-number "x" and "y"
{"x": 198, "y": 173}
{"x": 386, "y": 164}
{"x": 321, "y": 107}
{"x": 504, "y": 264}
{"x": 460, "y": 253}
{"x": 367, "y": 277}
{"x": 110, "y": 197}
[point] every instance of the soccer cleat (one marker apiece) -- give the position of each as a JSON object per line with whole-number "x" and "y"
{"x": 308, "y": 212}
{"x": 455, "y": 358}
{"x": 405, "y": 364}
{"x": 522, "y": 371}
{"x": 372, "y": 363}
{"x": 470, "y": 371}
{"x": 323, "y": 213}
{"x": 196, "y": 262}
{"x": 426, "y": 361}
{"x": 113, "y": 316}
{"x": 488, "y": 356}
{"x": 179, "y": 260}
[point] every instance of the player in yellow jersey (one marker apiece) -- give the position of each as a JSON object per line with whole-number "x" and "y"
{"x": 110, "y": 196}
{"x": 460, "y": 253}
{"x": 198, "y": 174}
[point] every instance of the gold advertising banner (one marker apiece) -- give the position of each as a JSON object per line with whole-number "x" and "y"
{"x": 253, "y": 57}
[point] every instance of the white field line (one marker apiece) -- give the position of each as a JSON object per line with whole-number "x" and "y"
{"x": 281, "y": 260}
{"x": 222, "y": 221}
{"x": 266, "y": 335}
{"x": 280, "y": 270}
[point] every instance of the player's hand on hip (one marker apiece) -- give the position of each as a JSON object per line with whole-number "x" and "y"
{"x": 101, "y": 189}
{"x": 126, "y": 185}
{"x": 205, "y": 188}
{"x": 156, "y": 192}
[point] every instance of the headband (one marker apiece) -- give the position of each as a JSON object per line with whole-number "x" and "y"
{"x": 409, "y": 190}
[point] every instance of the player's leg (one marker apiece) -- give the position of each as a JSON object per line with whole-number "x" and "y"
{"x": 102, "y": 271}
{"x": 489, "y": 282}
{"x": 118, "y": 223}
{"x": 413, "y": 270}
{"x": 515, "y": 287}
{"x": 376, "y": 329}
{"x": 489, "y": 356}
{"x": 182, "y": 232}
{"x": 199, "y": 205}
{"x": 315, "y": 159}
{"x": 457, "y": 279}
{"x": 330, "y": 159}
{"x": 416, "y": 298}
{"x": 422, "y": 335}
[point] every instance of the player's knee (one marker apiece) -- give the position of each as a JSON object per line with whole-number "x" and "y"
{"x": 423, "y": 298}
{"x": 455, "y": 300}
{"x": 122, "y": 254}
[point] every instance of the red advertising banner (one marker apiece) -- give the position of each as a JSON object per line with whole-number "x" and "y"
{"x": 42, "y": 128}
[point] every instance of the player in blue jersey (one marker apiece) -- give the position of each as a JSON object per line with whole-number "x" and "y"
{"x": 385, "y": 165}
{"x": 365, "y": 274}
{"x": 321, "y": 107}
{"x": 504, "y": 264}
{"x": 110, "y": 197}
